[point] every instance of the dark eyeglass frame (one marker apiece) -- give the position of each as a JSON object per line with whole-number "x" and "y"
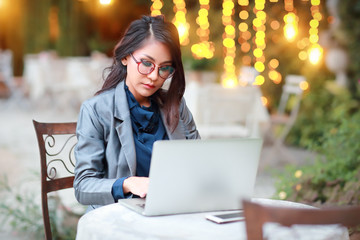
{"x": 152, "y": 68}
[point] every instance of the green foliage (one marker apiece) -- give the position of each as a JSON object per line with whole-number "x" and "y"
{"x": 334, "y": 176}
{"x": 200, "y": 64}
{"x": 36, "y": 26}
{"x": 73, "y": 22}
{"x": 321, "y": 109}
{"x": 348, "y": 35}
{"x": 19, "y": 210}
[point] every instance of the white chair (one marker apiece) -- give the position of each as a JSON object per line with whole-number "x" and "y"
{"x": 226, "y": 112}
{"x": 286, "y": 115}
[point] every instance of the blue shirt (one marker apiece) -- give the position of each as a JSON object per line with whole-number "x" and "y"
{"x": 147, "y": 128}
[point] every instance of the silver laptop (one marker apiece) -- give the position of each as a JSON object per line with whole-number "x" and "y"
{"x": 189, "y": 176}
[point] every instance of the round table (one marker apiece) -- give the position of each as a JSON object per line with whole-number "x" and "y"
{"x": 115, "y": 221}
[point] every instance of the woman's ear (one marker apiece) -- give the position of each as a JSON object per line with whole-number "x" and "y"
{"x": 124, "y": 61}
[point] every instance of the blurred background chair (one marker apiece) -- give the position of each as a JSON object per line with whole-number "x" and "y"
{"x": 56, "y": 145}
{"x": 256, "y": 215}
{"x": 284, "y": 118}
{"x": 226, "y": 112}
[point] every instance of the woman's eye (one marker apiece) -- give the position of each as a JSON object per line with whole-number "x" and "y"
{"x": 167, "y": 69}
{"x": 147, "y": 63}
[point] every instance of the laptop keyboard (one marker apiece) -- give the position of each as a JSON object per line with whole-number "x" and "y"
{"x": 142, "y": 205}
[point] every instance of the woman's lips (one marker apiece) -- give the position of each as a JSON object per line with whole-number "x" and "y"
{"x": 149, "y": 86}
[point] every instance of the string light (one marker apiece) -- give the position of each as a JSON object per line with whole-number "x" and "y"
{"x": 315, "y": 51}
{"x": 289, "y": 5}
{"x": 204, "y": 49}
{"x": 264, "y": 101}
{"x": 273, "y": 74}
{"x": 105, "y": 2}
{"x": 229, "y": 78}
{"x": 291, "y": 26}
{"x": 244, "y": 34}
{"x": 180, "y": 21}
{"x": 304, "y": 85}
{"x": 156, "y": 7}
{"x": 259, "y": 39}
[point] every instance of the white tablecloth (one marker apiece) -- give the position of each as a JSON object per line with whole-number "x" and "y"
{"x": 115, "y": 221}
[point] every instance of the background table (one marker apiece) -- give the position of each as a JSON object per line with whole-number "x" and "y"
{"x": 115, "y": 221}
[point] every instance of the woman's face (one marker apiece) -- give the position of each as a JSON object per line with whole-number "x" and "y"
{"x": 143, "y": 85}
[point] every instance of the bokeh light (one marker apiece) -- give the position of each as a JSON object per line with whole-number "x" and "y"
{"x": 291, "y": 26}
{"x": 180, "y": 21}
{"x": 229, "y": 78}
{"x": 205, "y": 48}
{"x": 315, "y": 53}
{"x": 156, "y": 7}
{"x": 105, "y": 2}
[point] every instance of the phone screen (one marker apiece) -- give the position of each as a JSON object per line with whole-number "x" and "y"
{"x": 226, "y": 217}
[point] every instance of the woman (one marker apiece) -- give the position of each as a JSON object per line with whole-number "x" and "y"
{"x": 117, "y": 128}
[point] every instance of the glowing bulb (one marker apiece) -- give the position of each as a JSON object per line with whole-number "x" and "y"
{"x": 282, "y": 195}
{"x": 244, "y": 14}
{"x": 264, "y": 101}
{"x": 304, "y": 85}
{"x": 274, "y": 63}
{"x": 315, "y": 54}
{"x": 243, "y": 27}
{"x": 303, "y": 55}
{"x": 105, "y": 2}
{"x": 229, "y": 82}
{"x": 259, "y": 80}
{"x": 315, "y": 2}
{"x": 290, "y": 32}
{"x": 259, "y": 66}
{"x": 181, "y": 29}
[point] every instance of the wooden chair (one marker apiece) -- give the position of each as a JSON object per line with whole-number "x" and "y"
{"x": 56, "y": 145}
{"x": 257, "y": 215}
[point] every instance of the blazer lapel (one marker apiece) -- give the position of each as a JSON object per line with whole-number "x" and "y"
{"x": 123, "y": 126}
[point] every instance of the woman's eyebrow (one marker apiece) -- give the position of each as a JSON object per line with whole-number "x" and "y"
{"x": 151, "y": 58}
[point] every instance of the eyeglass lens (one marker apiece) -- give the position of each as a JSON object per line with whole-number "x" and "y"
{"x": 146, "y": 67}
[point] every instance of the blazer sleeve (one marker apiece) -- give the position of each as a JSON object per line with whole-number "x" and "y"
{"x": 188, "y": 122}
{"x": 91, "y": 185}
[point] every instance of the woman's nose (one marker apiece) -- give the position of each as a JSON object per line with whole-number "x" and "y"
{"x": 154, "y": 75}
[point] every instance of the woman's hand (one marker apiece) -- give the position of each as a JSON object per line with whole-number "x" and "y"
{"x": 136, "y": 185}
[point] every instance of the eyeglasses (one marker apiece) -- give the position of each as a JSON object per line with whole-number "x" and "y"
{"x": 146, "y": 67}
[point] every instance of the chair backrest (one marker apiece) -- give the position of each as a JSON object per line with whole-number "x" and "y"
{"x": 257, "y": 215}
{"x": 291, "y": 88}
{"x": 221, "y": 105}
{"x": 56, "y": 145}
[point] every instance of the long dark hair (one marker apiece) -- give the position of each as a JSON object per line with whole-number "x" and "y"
{"x": 137, "y": 33}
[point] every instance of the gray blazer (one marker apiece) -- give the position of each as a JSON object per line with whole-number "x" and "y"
{"x": 105, "y": 150}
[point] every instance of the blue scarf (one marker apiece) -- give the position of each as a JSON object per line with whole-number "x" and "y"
{"x": 147, "y": 128}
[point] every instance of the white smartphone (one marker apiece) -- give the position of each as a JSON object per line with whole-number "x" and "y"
{"x": 226, "y": 217}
